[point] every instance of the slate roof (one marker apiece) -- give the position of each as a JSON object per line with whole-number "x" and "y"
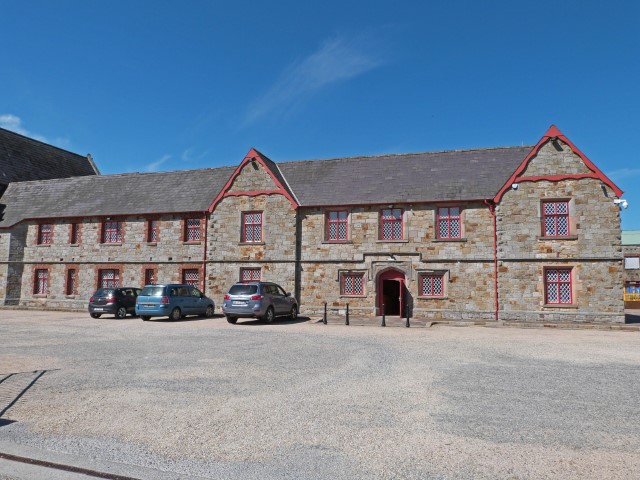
{"x": 131, "y": 193}
{"x": 23, "y": 159}
{"x": 429, "y": 176}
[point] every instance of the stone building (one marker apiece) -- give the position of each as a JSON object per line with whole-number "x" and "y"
{"x": 631, "y": 252}
{"x": 515, "y": 233}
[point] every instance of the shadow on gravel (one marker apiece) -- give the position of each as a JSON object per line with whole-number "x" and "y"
{"x": 632, "y": 318}
{"x": 246, "y": 322}
{"x": 4, "y": 422}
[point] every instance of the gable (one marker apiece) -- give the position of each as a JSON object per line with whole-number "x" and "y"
{"x": 555, "y": 158}
{"x": 252, "y": 177}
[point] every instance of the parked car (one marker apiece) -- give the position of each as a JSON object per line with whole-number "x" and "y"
{"x": 173, "y": 301}
{"x": 113, "y": 301}
{"x": 263, "y": 300}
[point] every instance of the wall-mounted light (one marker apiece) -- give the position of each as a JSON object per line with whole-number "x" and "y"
{"x": 622, "y": 202}
{"x": 514, "y": 186}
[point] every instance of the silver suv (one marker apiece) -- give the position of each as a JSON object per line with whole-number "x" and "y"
{"x": 261, "y": 300}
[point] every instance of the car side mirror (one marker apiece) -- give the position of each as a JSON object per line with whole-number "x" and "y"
{"x": 201, "y": 295}
{"x": 288, "y": 294}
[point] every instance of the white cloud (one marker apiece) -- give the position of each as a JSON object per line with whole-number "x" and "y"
{"x": 190, "y": 155}
{"x": 155, "y": 166}
{"x": 14, "y": 123}
{"x": 337, "y": 60}
{"x": 623, "y": 174}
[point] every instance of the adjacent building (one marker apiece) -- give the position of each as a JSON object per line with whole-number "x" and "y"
{"x": 631, "y": 251}
{"x": 515, "y": 233}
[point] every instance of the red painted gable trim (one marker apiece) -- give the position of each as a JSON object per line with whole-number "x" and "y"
{"x": 253, "y": 154}
{"x": 554, "y": 132}
{"x": 557, "y": 178}
{"x": 252, "y": 193}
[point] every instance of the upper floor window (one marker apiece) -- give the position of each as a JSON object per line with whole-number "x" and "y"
{"x": 448, "y": 223}
{"x": 352, "y": 284}
{"x": 558, "y": 286}
{"x": 252, "y": 227}
{"x": 153, "y": 230}
{"x": 44, "y": 233}
{"x": 108, "y": 278}
{"x": 72, "y": 282}
{"x": 555, "y": 218}
{"x": 431, "y": 285}
{"x": 391, "y": 227}
{"x": 74, "y": 234}
{"x": 111, "y": 232}
{"x": 41, "y": 281}
{"x": 249, "y": 275}
{"x": 337, "y": 229}
{"x": 190, "y": 276}
{"x": 192, "y": 230}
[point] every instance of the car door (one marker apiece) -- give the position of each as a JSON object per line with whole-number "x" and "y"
{"x": 186, "y": 300}
{"x": 280, "y": 297}
{"x": 198, "y": 303}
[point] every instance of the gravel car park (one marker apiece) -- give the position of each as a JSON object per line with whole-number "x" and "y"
{"x": 204, "y": 399}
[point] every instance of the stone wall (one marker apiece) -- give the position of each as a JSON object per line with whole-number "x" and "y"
{"x": 553, "y": 158}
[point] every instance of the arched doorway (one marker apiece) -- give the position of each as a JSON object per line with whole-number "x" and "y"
{"x": 391, "y": 292}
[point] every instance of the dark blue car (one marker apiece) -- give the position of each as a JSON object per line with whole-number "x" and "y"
{"x": 174, "y": 301}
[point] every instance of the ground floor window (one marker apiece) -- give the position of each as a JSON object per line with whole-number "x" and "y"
{"x": 149, "y": 276}
{"x": 557, "y": 286}
{"x": 108, "y": 278}
{"x": 41, "y": 282}
{"x": 249, "y": 275}
{"x": 352, "y": 284}
{"x": 190, "y": 276}
{"x": 632, "y": 291}
{"x": 72, "y": 281}
{"x": 431, "y": 285}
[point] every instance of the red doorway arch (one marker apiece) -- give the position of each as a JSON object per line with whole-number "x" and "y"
{"x": 391, "y": 292}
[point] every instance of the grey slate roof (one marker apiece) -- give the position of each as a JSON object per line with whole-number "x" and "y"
{"x": 131, "y": 193}
{"x": 23, "y": 159}
{"x": 429, "y": 176}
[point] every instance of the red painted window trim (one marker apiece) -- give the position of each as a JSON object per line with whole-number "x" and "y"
{"x": 253, "y": 224}
{"x": 556, "y": 217}
{"x": 71, "y": 281}
{"x": 194, "y": 230}
{"x": 45, "y": 234}
{"x": 150, "y": 276}
{"x": 392, "y": 222}
{"x": 190, "y": 271}
{"x": 115, "y": 280}
{"x": 558, "y": 283}
{"x": 343, "y": 276}
{"x": 255, "y": 274}
{"x": 111, "y": 231}
{"x": 41, "y": 281}
{"x": 153, "y": 230}
{"x": 432, "y": 277}
{"x": 448, "y": 218}
{"x": 74, "y": 233}
{"x": 337, "y": 223}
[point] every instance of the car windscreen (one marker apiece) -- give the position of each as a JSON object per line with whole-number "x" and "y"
{"x": 153, "y": 291}
{"x": 104, "y": 292}
{"x": 243, "y": 290}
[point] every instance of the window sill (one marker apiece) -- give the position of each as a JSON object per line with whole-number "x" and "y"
{"x": 449, "y": 239}
{"x": 40, "y": 295}
{"x": 43, "y": 244}
{"x": 337, "y": 242}
{"x": 425, "y": 297}
{"x": 560, "y": 305}
{"x": 71, "y": 297}
{"x": 392, "y": 241}
{"x": 152, "y": 244}
{"x": 74, "y": 244}
{"x": 353, "y": 296}
{"x": 111, "y": 244}
{"x": 570, "y": 237}
{"x": 251, "y": 243}
{"x": 197, "y": 242}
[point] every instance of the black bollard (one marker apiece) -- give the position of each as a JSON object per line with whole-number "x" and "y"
{"x": 407, "y": 324}
{"x": 384, "y": 324}
{"x": 324, "y": 318}
{"x": 346, "y": 322}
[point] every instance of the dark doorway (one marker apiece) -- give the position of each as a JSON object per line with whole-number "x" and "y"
{"x": 391, "y": 296}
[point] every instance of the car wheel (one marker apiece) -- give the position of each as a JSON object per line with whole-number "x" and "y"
{"x": 231, "y": 319}
{"x": 268, "y": 317}
{"x": 121, "y": 312}
{"x": 294, "y": 313}
{"x": 176, "y": 314}
{"x": 210, "y": 311}
{"x": 95, "y": 315}
{"x": 145, "y": 318}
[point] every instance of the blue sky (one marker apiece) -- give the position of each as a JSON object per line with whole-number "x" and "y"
{"x": 160, "y": 85}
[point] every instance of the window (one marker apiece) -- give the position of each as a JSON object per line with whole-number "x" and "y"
{"x": 74, "y": 236}
{"x": 631, "y": 263}
{"x": 391, "y": 227}
{"x": 448, "y": 223}
{"x": 431, "y": 285}
{"x": 557, "y": 285}
{"x": 190, "y": 276}
{"x": 192, "y": 230}
{"x": 111, "y": 232}
{"x": 149, "y": 276}
{"x": 352, "y": 284}
{"x": 337, "y": 226}
{"x": 72, "y": 281}
{"x": 555, "y": 219}
{"x": 41, "y": 282}
{"x": 152, "y": 231}
{"x": 252, "y": 227}
{"x": 249, "y": 275}
{"x": 108, "y": 278}
{"x": 44, "y": 233}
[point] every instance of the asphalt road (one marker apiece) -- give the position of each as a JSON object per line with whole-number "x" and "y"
{"x": 204, "y": 399}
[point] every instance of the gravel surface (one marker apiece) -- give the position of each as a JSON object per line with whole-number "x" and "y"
{"x": 303, "y": 400}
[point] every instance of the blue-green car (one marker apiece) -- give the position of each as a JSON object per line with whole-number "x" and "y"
{"x": 174, "y": 301}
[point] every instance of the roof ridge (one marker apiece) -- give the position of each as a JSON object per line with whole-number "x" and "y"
{"x": 405, "y": 154}
{"x": 43, "y": 143}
